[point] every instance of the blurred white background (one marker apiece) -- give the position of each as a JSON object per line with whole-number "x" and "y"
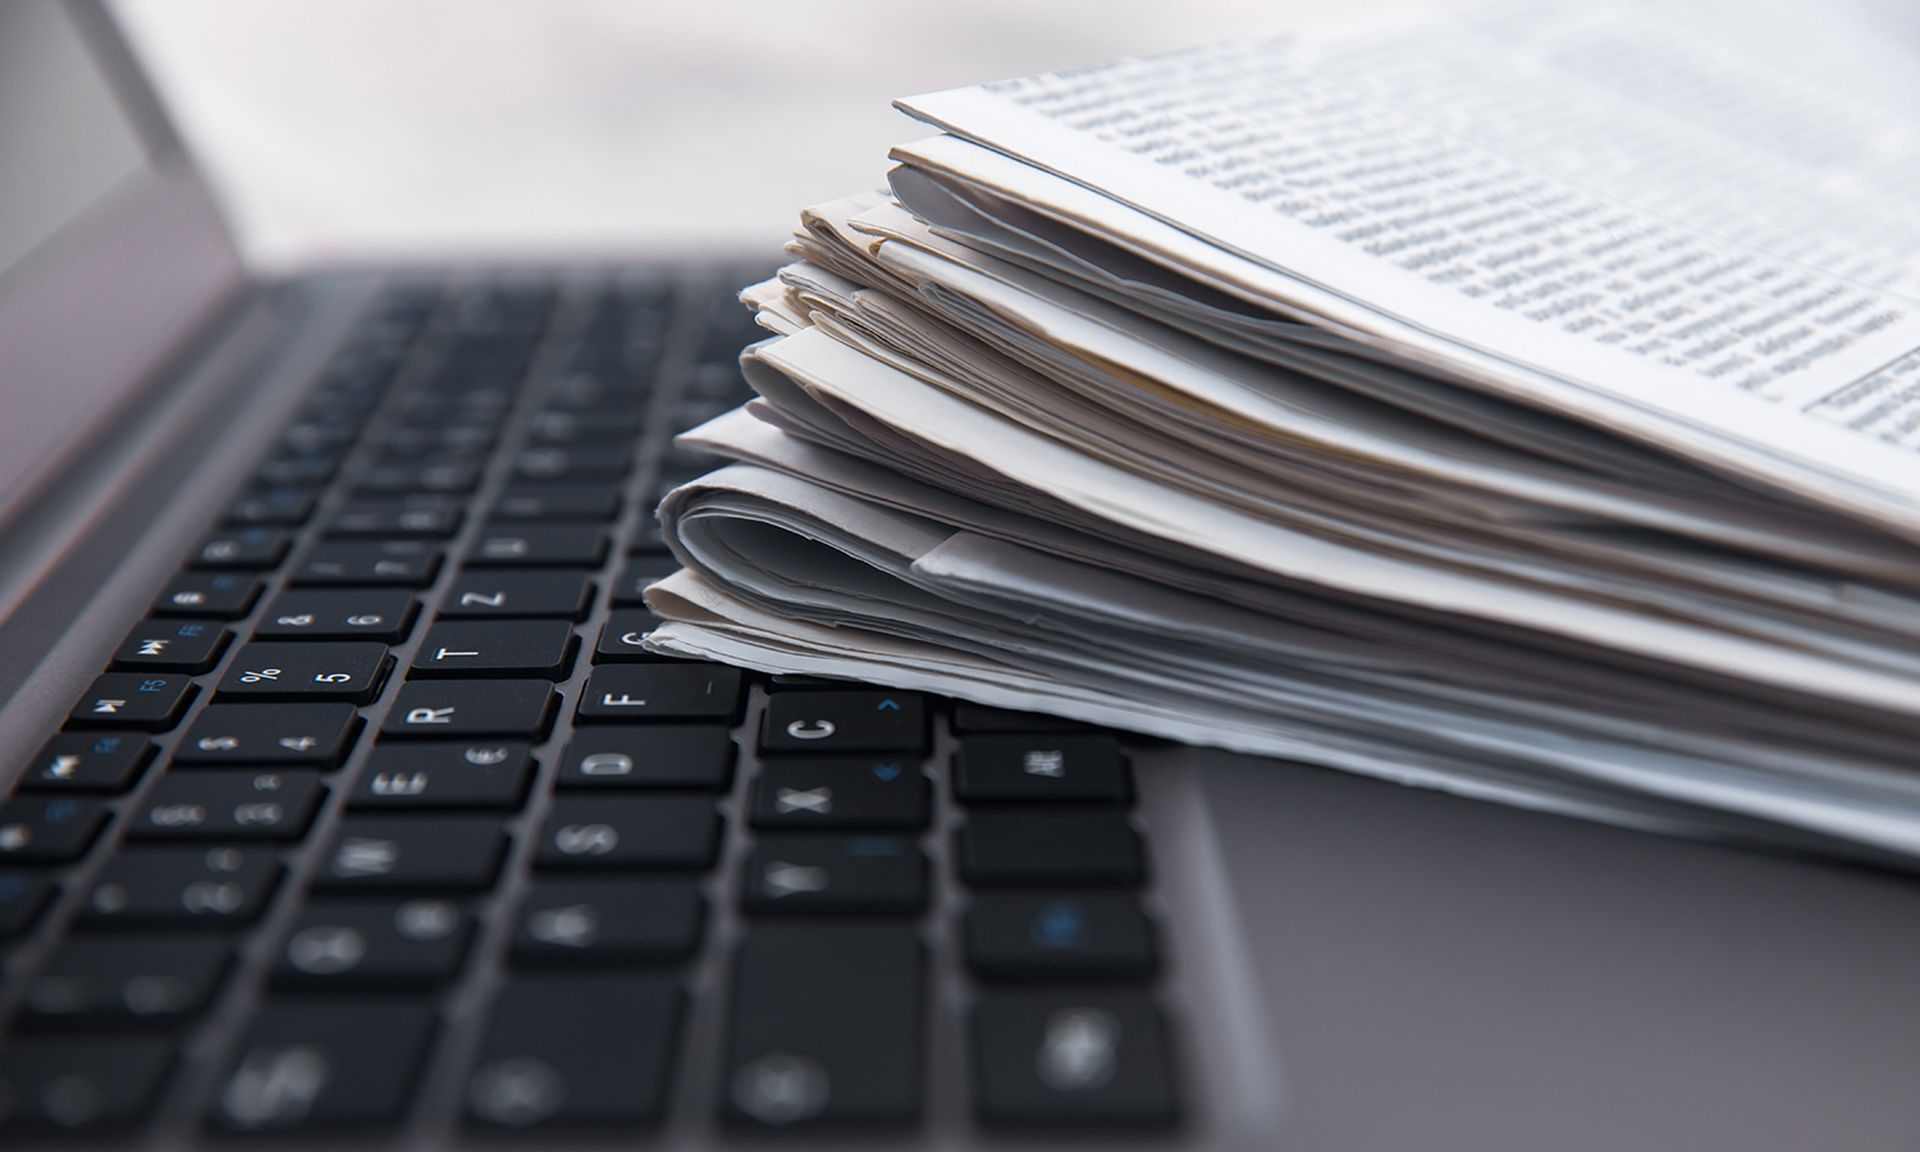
{"x": 345, "y": 130}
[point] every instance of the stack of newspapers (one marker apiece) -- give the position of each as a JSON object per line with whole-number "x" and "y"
{"x": 1524, "y": 403}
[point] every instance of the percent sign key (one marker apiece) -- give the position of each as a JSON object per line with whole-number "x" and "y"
{"x": 291, "y": 671}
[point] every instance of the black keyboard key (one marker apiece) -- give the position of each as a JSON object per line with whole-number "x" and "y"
{"x": 303, "y": 735}
{"x": 182, "y": 888}
{"x": 1056, "y": 935}
{"x": 48, "y": 829}
{"x": 539, "y": 546}
{"x": 542, "y": 648}
{"x": 604, "y": 388}
{"x": 608, "y": 920}
{"x": 678, "y": 691}
{"x": 296, "y": 672}
{"x": 511, "y": 312}
{"x": 298, "y": 469}
{"x": 283, "y": 507}
{"x": 596, "y": 503}
{"x": 441, "y": 477}
{"x": 459, "y": 437}
{"x": 418, "y": 944}
{"x": 319, "y": 432}
{"x": 479, "y": 776}
{"x": 253, "y": 549}
{"x": 307, "y": 1065}
{"x": 276, "y": 805}
{"x": 574, "y": 426}
{"x": 384, "y": 563}
{"x": 649, "y": 756}
{"x": 839, "y": 722}
{"x": 75, "y": 1085}
{"x": 150, "y": 700}
{"x": 490, "y": 593}
{"x": 629, "y": 588}
{"x": 806, "y": 793}
{"x": 214, "y": 595}
{"x": 1050, "y": 846}
{"x": 109, "y": 980}
{"x": 375, "y": 614}
{"x": 412, "y": 516}
{"x": 1088, "y": 769}
{"x": 23, "y": 895}
{"x": 606, "y": 464}
{"x": 1072, "y": 1059}
{"x": 623, "y": 638}
{"x": 968, "y": 717}
{"x": 630, "y": 831}
{"x": 827, "y": 1025}
{"x": 576, "y": 1051}
{"x": 835, "y": 875}
{"x": 380, "y": 854}
{"x": 190, "y": 646}
{"x": 88, "y": 762}
{"x": 457, "y": 709}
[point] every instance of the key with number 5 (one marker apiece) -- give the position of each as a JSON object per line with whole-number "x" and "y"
{"x": 351, "y": 672}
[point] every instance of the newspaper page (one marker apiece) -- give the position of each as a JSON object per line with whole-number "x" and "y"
{"x": 1686, "y": 222}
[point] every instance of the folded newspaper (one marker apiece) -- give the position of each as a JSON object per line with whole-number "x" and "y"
{"x": 1524, "y": 403}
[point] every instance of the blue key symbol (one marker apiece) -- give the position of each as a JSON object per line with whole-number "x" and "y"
{"x": 153, "y": 685}
{"x": 887, "y": 705}
{"x": 107, "y": 745}
{"x": 874, "y": 846}
{"x": 1059, "y": 925}
{"x": 62, "y": 812}
{"x": 191, "y": 629}
{"x": 887, "y": 772}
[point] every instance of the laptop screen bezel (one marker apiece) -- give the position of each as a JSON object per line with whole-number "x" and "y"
{"x": 92, "y": 316}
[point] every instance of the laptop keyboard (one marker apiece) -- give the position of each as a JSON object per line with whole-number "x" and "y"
{"x": 384, "y": 818}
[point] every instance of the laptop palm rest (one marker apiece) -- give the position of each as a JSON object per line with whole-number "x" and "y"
{"x": 1443, "y": 974}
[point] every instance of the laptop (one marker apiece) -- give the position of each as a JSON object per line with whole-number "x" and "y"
{"x": 341, "y": 804}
